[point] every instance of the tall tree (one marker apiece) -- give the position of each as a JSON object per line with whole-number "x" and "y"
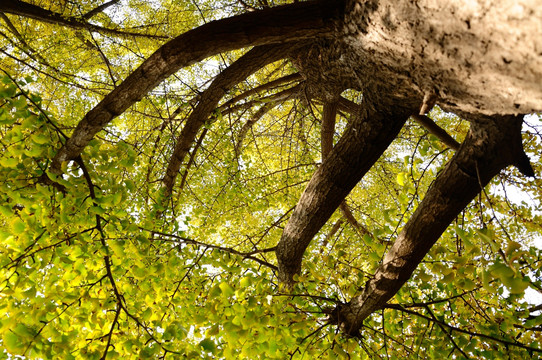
{"x": 243, "y": 180}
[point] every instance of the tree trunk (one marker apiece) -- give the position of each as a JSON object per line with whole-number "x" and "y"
{"x": 362, "y": 143}
{"x": 472, "y": 56}
{"x": 492, "y": 144}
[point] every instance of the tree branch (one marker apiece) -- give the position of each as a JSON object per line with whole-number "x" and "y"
{"x": 362, "y": 143}
{"x": 328, "y": 131}
{"x": 245, "y": 255}
{"x": 99, "y": 9}
{"x": 21, "y": 8}
{"x": 454, "y": 328}
{"x": 272, "y": 84}
{"x": 436, "y": 130}
{"x": 246, "y": 65}
{"x": 281, "y": 24}
{"x": 269, "y": 104}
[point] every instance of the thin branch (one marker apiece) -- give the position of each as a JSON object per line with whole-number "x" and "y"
{"x": 270, "y": 85}
{"x": 246, "y": 65}
{"x": 246, "y": 255}
{"x": 192, "y": 157}
{"x": 269, "y": 103}
{"x": 110, "y": 334}
{"x": 99, "y": 9}
{"x": 454, "y": 328}
{"x": 449, "y": 335}
{"x": 436, "y": 130}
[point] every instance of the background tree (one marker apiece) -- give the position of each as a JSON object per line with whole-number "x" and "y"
{"x": 171, "y": 195}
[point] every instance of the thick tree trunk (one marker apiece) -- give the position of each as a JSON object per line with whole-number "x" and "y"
{"x": 362, "y": 143}
{"x": 491, "y": 145}
{"x": 472, "y": 56}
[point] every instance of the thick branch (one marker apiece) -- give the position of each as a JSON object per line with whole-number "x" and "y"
{"x": 491, "y": 145}
{"x": 281, "y": 24}
{"x": 328, "y": 127}
{"x": 35, "y": 12}
{"x": 327, "y": 132}
{"x": 423, "y": 120}
{"x": 362, "y": 143}
{"x": 249, "y": 63}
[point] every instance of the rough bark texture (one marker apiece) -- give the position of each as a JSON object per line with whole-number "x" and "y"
{"x": 329, "y": 118}
{"x": 362, "y": 143}
{"x": 479, "y": 59}
{"x": 474, "y": 56}
{"x": 491, "y": 145}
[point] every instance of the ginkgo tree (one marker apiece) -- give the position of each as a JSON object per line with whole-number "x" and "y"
{"x": 251, "y": 179}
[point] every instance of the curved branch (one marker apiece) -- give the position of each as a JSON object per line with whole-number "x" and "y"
{"x": 491, "y": 145}
{"x": 21, "y": 8}
{"x": 275, "y": 83}
{"x": 270, "y": 102}
{"x": 362, "y": 143}
{"x": 281, "y": 24}
{"x": 246, "y": 65}
{"x": 99, "y": 9}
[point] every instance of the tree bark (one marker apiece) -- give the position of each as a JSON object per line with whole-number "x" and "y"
{"x": 472, "y": 56}
{"x": 329, "y": 118}
{"x": 276, "y": 25}
{"x": 362, "y": 143}
{"x": 492, "y": 144}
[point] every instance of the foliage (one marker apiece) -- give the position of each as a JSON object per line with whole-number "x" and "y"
{"x": 99, "y": 265}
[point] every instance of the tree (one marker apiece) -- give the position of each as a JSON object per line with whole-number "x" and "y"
{"x": 255, "y": 187}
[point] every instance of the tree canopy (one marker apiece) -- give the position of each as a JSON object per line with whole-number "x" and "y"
{"x": 254, "y": 179}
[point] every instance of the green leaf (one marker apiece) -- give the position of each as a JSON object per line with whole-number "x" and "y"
{"x": 208, "y": 345}
{"x": 13, "y": 343}
{"x": 9, "y": 162}
{"x": 17, "y": 226}
{"x": 227, "y": 290}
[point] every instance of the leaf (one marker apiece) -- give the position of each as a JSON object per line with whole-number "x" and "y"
{"x": 208, "y": 345}
{"x": 227, "y": 290}
{"x": 13, "y": 343}
{"x": 9, "y": 162}
{"x": 401, "y": 179}
{"x": 17, "y": 226}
